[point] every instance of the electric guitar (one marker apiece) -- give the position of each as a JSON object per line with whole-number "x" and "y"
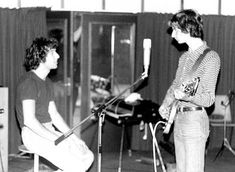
{"x": 188, "y": 88}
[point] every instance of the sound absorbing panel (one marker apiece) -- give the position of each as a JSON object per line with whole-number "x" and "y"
{"x": 3, "y": 129}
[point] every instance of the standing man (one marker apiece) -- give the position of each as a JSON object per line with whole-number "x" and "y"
{"x": 37, "y": 114}
{"x": 191, "y": 128}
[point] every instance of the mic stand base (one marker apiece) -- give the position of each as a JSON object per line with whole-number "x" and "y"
{"x": 227, "y": 145}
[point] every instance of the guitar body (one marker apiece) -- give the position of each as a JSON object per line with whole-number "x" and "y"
{"x": 190, "y": 89}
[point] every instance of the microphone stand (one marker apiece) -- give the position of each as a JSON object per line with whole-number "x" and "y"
{"x": 98, "y": 112}
{"x": 226, "y": 143}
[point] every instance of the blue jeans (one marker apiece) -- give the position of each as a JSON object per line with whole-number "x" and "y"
{"x": 67, "y": 155}
{"x": 191, "y": 130}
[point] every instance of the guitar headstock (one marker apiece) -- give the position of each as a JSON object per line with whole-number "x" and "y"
{"x": 190, "y": 87}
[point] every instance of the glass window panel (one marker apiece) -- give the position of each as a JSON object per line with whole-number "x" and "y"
{"x": 41, "y": 3}
{"x": 203, "y": 6}
{"x": 9, "y": 4}
{"x": 111, "y": 57}
{"x": 162, "y": 6}
{"x": 123, "y": 5}
{"x": 83, "y": 5}
{"x": 227, "y": 7}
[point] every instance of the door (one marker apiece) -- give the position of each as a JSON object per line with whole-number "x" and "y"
{"x": 107, "y": 64}
{"x": 59, "y": 26}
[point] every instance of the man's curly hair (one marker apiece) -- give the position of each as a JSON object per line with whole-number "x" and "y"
{"x": 188, "y": 21}
{"x": 37, "y": 52}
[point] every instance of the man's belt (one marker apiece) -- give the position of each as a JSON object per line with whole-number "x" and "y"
{"x": 186, "y": 109}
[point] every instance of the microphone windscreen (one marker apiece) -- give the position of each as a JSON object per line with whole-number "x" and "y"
{"x": 147, "y": 48}
{"x": 147, "y": 43}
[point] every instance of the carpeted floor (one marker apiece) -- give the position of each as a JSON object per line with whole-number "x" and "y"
{"x": 137, "y": 162}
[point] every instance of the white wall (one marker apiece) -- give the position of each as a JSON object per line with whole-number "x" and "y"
{"x": 133, "y": 6}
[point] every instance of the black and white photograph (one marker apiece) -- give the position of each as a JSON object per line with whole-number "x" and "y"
{"x": 117, "y": 86}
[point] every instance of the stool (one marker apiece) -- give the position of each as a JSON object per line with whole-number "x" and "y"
{"x": 23, "y": 149}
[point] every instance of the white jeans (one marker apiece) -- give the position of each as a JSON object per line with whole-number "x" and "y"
{"x": 66, "y": 155}
{"x": 190, "y": 135}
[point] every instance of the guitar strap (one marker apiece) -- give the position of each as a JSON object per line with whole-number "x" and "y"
{"x": 199, "y": 60}
{"x": 196, "y": 65}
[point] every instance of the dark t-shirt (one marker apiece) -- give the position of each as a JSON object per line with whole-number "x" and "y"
{"x": 30, "y": 86}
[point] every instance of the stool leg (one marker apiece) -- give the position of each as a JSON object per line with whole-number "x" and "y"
{"x": 36, "y": 163}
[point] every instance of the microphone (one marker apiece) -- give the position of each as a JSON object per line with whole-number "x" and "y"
{"x": 147, "y": 51}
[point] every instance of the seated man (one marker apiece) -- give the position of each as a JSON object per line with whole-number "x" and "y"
{"x": 38, "y": 117}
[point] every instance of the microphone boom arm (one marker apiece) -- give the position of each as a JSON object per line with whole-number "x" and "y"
{"x": 99, "y": 110}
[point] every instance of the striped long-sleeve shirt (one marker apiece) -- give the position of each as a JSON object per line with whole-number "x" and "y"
{"x": 207, "y": 71}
